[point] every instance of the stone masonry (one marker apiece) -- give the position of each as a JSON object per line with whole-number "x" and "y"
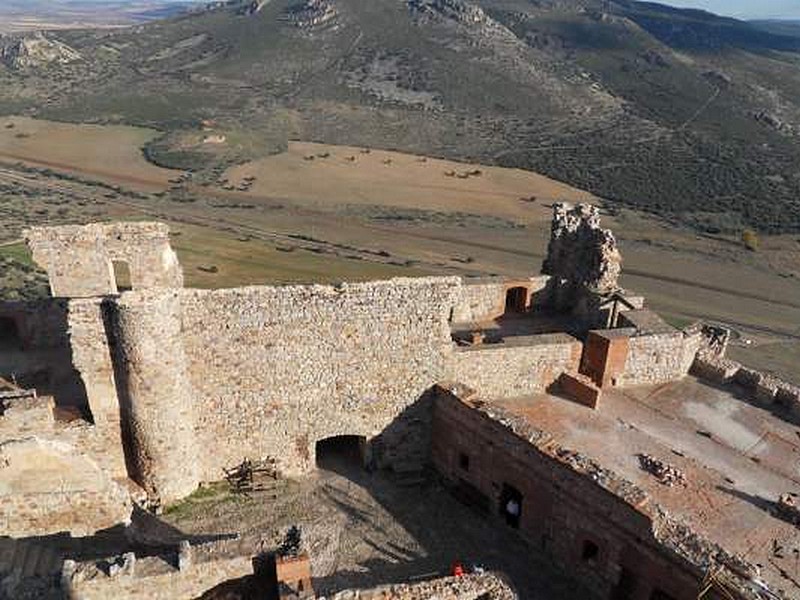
{"x": 269, "y": 371}
{"x": 79, "y": 259}
{"x": 581, "y": 251}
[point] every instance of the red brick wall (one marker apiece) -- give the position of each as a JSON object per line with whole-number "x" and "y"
{"x": 561, "y": 509}
{"x": 604, "y": 357}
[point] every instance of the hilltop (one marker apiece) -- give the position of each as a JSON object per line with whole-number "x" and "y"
{"x": 677, "y": 112}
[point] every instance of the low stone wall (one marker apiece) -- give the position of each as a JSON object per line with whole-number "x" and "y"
{"x": 167, "y": 584}
{"x": 517, "y": 367}
{"x": 766, "y": 388}
{"x": 659, "y": 357}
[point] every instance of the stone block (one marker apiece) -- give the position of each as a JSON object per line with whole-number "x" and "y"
{"x": 580, "y": 388}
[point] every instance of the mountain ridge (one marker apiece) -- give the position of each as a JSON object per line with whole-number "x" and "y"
{"x": 676, "y": 112}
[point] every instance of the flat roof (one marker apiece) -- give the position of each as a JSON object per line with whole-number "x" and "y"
{"x": 737, "y": 458}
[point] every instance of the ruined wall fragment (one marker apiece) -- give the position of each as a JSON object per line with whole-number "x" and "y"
{"x": 580, "y": 251}
{"x": 79, "y": 258}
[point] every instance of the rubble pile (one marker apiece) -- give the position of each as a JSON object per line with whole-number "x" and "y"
{"x": 789, "y": 508}
{"x": 483, "y": 586}
{"x": 666, "y": 474}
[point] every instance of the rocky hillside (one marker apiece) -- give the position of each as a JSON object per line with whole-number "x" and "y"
{"x": 34, "y": 51}
{"x": 673, "y": 111}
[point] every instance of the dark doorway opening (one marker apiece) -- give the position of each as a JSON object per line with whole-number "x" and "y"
{"x": 511, "y": 505}
{"x": 122, "y": 275}
{"x": 517, "y": 300}
{"x": 10, "y": 338}
{"x": 590, "y": 552}
{"x": 341, "y": 451}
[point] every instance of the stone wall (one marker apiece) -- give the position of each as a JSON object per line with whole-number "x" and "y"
{"x": 79, "y": 258}
{"x": 764, "y": 387}
{"x": 269, "y": 371}
{"x": 659, "y": 357}
{"x": 486, "y": 586}
{"x": 91, "y": 358}
{"x": 58, "y": 476}
{"x": 162, "y": 582}
{"x": 484, "y": 299}
{"x": 213, "y": 564}
{"x": 517, "y": 367}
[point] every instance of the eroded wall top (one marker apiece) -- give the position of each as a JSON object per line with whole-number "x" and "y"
{"x": 80, "y": 260}
{"x": 581, "y": 251}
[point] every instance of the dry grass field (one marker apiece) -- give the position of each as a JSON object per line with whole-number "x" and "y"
{"x": 329, "y": 177}
{"x": 113, "y": 152}
{"x": 328, "y": 213}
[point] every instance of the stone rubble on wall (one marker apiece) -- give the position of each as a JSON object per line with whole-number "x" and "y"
{"x": 665, "y": 473}
{"x": 484, "y": 586}
{"x": 669, "y": 531}
{"x": 581, "y": 251}
{"x": 765, "y": 387}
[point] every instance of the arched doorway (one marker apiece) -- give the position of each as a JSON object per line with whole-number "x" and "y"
{"x": 516, "y": 300}
{"x": 341, "y": 452}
